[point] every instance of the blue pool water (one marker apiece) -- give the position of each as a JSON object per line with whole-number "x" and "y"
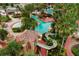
{"x": 43, "y": 26}
{"x": 49, "y": 10}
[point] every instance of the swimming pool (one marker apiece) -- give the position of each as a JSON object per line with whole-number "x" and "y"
{"x": 43, "y": 27}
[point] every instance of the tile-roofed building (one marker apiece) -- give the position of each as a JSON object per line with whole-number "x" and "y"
{"x": 28, "y": 35}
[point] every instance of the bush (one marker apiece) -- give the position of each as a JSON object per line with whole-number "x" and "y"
{"x": 56, "y": 51}
{"x": 5, "y": 18}
{"x": 3, "y": 34}
{"x": 13, "y": 49}
{"x": 3, "y": 52}
{"x": 75, "y": 50}
{"x": 17, "y": 30}
{"x": 27, "y": 22}
{"x": 65, "y": 25}
{"x": 16, "y": 15}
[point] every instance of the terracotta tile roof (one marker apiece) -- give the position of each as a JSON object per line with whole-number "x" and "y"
{"x": 47, "y": 19}
{"x": 28, "y": 35}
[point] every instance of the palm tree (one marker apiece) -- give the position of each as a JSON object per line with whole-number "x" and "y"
{"x": 26, "y": 10}
{"x": 27, "y": 21}
{"x": 3, "y": 34}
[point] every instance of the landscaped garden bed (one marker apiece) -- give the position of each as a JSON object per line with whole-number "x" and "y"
{"x": 4, "y": 18}
{"x": 16, "y": 16}
{"x": 17, "y": 30}
{"x": 75, "y": 50}
{"x": 12, "y": 49}
{"x": 3, "y": 34}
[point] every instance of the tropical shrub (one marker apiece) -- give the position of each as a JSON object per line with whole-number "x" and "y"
{"x": 27, "y": 22}
{"x": 75, "y": 50}
{"x": 56, "y": 51}
{"x": 66, "y": 19}
{"x": 3, "y": 34}
{"x": 16, "y": 30}
{"x": 4, "y": 18}
{"x": 13, "y": 49}
{"x": 16, "y": 16}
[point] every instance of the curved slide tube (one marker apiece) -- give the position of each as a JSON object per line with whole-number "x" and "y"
{"x": 46, "y": 46}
